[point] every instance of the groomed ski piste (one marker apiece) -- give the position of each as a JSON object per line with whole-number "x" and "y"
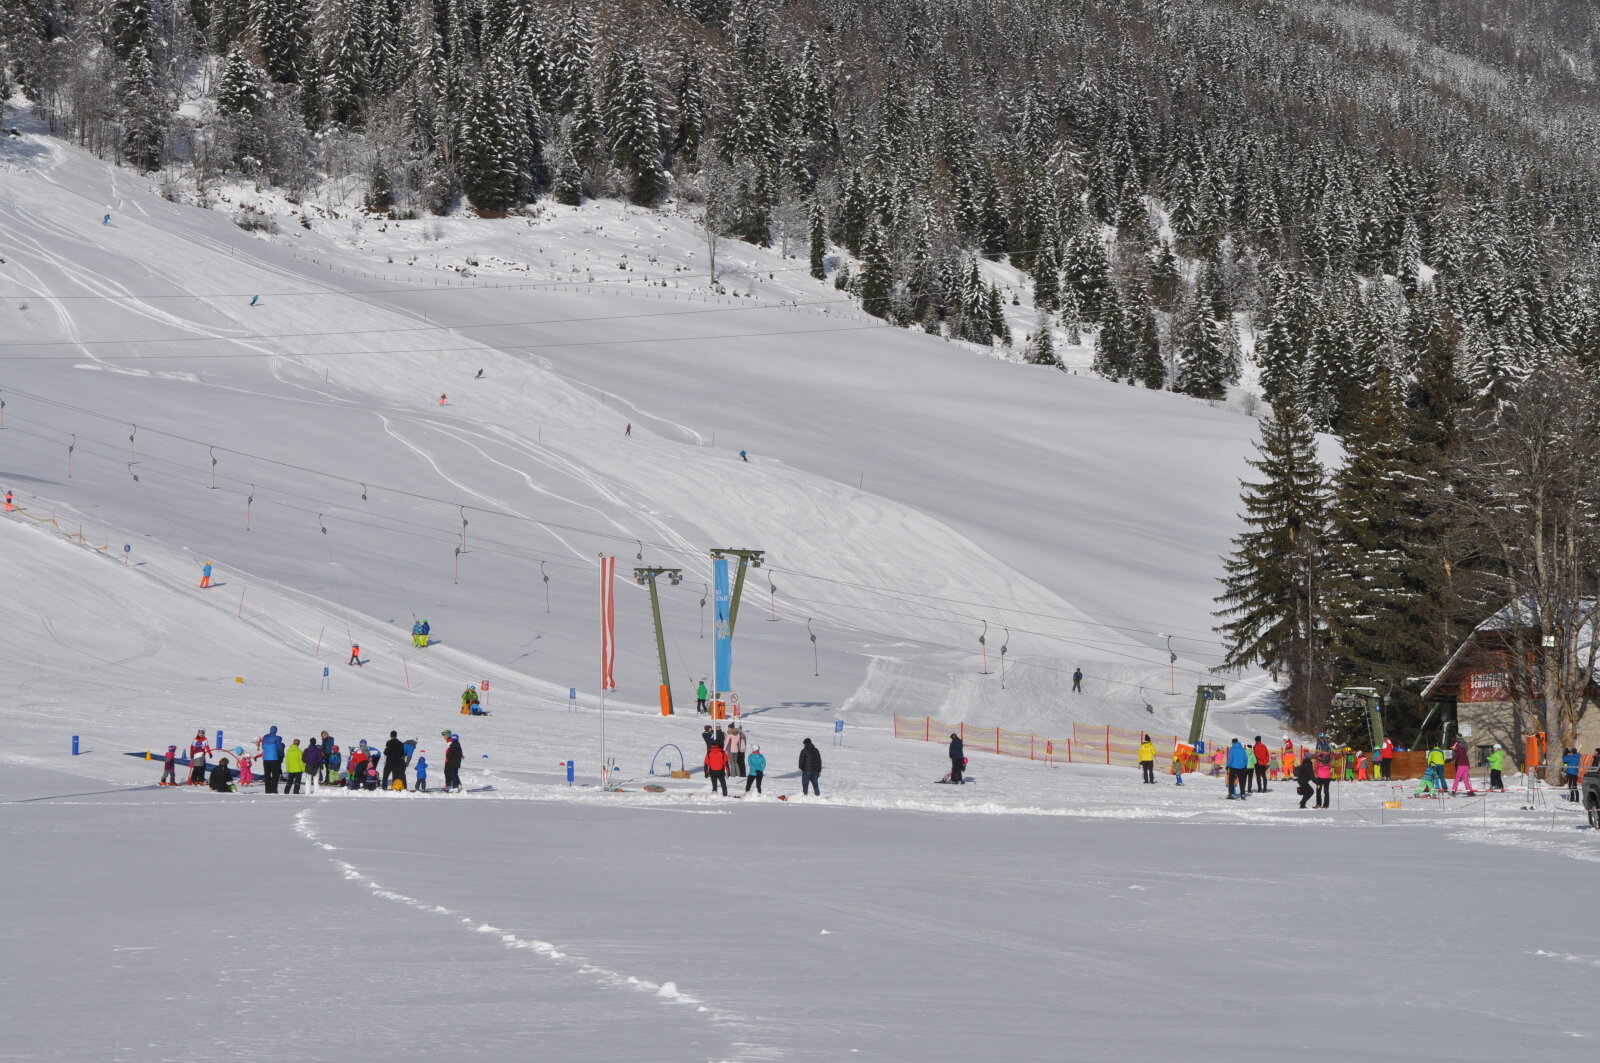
{"x": 910, "y": 495}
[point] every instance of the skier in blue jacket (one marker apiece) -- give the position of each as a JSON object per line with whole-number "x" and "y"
{"x": 271, "y": 759}
{"x": 1238, "y": 769}
{"x": 758, "y": 770}
{"x": 422, "y": 774}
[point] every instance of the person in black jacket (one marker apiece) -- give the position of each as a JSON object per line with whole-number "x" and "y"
{"x": 1302, "y": 777}
{"x": 452, "y": 763}
{"x": 958, "y": 757}
{"x": 810, "y": 769}
{"x": 222, "y": 777}
{"x": 710, "y": 739}
{"x": 394, "y": 761}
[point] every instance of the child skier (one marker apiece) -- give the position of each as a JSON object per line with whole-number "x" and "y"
{"x": 246, "y": 774}
{"x": 1177, "y": 768}
{"x": 169, "y": 767}
{"x": 422, "y": 774}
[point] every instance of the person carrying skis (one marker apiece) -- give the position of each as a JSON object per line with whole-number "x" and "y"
{"x": 222, "y": 777}
{"x": 758, "y": 771}
{"x": 717, "y": 769}
{"x": 169, "y": 768}
{"x": 958, "y": 757}
{"x": 700, "y": 698}
{"x": 205, "y": 575}
{"x": 1263, "y": 761}
{"x": 452, "y": 762}
{"x": 810, "y": 769}
{"x": 1238, "y": 768}
{"x": 1497, "y": 763}
{"x": 1147, "y": 760}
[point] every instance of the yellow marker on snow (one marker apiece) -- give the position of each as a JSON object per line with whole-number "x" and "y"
{"x": 238, "y": 679}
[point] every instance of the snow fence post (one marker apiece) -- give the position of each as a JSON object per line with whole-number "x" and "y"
{"x": 1108, "y": 743}
{"x": 927, "y": 728}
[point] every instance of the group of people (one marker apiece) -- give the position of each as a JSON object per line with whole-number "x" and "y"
{"x": 728, "y": 752}
{"x": 301, "y": 768}
{"x": 419, "y": 633}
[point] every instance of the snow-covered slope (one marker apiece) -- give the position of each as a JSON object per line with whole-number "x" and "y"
{"x": 911, "y": 494}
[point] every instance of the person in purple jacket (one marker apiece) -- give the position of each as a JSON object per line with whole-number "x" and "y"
{"x": 1463, "y": 765}
{"x": 313, "y": 759}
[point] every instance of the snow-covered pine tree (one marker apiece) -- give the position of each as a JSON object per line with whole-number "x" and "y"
{"x": 344, "y": 34}
{"x": 633, "y": 118}
{"x": 818, "y": 241}
{"x": 486, "y": 156}
{"x": 278, "y": 27}
{"x": 1114, "y": 344}
{"x": 1272, "y": 604}
{"x": 1205, "y": 364}
{"x": 1042, "y": 350}
{"x": 142, "y": 118}
{"x": 877, "y": 275}
{"x": 1087, "y": 269}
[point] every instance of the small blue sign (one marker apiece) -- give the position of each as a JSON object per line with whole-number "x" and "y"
{"x": 324, "y": 671}
{"x": 127, "y": 548}
{"x": 838, "y": 726}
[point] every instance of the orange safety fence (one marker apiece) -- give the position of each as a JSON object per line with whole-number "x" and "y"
{"x": 1088, "y": 745}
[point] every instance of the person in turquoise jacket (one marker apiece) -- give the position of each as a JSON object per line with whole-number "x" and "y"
{"x": 1570, "y": 760}
{"x": 1238, "y": 770}
{"x": 757, "y": 767}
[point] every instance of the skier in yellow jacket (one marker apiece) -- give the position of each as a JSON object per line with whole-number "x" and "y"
{"x": 1147, "y": 759}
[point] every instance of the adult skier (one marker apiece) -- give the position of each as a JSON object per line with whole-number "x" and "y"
{"x": 1263, "y": 761}
{"x": 1238, "y": 765}
{"x": 758, "y": 771}
{"x": 1077, "y": 680}
{"x": 1147, "y": 760}
{"x": 1462, "y": 760}
{"x": 394, "y": 761}
{"x": 452, "y": 762}
{"x": 271, "y": 759}
{"x": 958, "y": 757}
{"x": 810, "y": 769}
{"x": 717, "y": 769}
{"x": 205, "y": 575}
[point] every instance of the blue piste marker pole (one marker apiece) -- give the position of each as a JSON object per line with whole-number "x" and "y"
{"x": 75, "y": 753}
{"x": 572, "y": 699}
{"x": 572, "y": 769}
{"x": 219, "y": 739}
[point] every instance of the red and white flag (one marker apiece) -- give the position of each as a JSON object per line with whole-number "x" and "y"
{"x": 608, "y": 624}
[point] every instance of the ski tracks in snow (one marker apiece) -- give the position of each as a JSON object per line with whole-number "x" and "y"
{"x": 570, "y": 965}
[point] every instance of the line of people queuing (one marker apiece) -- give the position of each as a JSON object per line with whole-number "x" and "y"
{"x": 301, "y": 768}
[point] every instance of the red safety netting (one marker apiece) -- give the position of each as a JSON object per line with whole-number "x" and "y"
{"x": 1089, "y": 744}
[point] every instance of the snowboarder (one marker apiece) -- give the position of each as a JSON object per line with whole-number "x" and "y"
{"x": 422, "y": 773}
{"x": 758, "y": 771}
{"x": 294, "y": 766}
{"x": 355, "y": 654}
{"x": 717, "y": 769}
{"x": 1497, "y": 762}
{"x": 1263, "y": 761}
{"x": 271, "y": 759}
{"x": 1147, "y": 760}
{"x": 700, "y": 698}
{"x": 958, "y": 757}
{"x": 222, "y": 778}
{"x": 743, "y": 456}
{"x": 1302, "y": 778}
{"x": 169, "y": 768}
{"x": 1077, "y": 680}
{"x": 1238, "y": 766}
{"x": 452, "y": 762}
{"x": 394, "y": 761}
{"x": 205, "y": 575}
{"x": 810, "y": 769}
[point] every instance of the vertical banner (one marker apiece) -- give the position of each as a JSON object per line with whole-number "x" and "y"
{"x": 724, "y": 636}
{"x": 608, "y": 624}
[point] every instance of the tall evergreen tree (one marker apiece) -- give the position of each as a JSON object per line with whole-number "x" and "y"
{"x": 1273, "y": 612}
{"x": 633, "y": 118}
{"x": 487, "y": 159}
{"x": 819, "y": 241}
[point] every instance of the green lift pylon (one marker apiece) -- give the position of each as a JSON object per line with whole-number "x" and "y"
{"x": 1204, "y": 695}
{"x": 648, "y": 576}
{"x": 752, "y": 558}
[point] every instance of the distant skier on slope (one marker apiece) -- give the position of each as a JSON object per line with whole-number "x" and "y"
{"x": 1077, "y": 680}
{"x": 628, "y": 431}
{"x": 205, "y": 575}
{"x": 743, "y": 456}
